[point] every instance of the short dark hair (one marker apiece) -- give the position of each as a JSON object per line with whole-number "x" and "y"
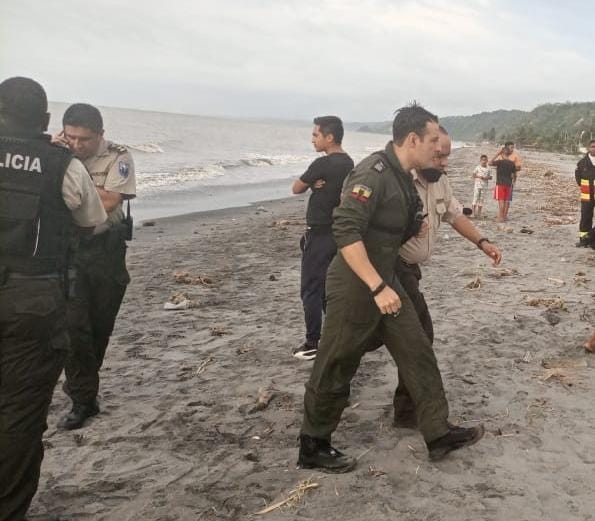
{"x": 83, "y": 115}
{"x": 331, "y": 125}
{"x": 411, "y": 118}
{"x": 508, "y": 143}
{"x": 24, "y": 102}
{"x": 591, "y": 142}
{"x": 482, "y": 156}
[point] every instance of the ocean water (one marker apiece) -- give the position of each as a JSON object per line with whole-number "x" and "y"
{"x": 187, "y": 163}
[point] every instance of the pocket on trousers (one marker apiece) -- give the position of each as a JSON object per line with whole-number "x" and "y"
{"x": 36, "y": 306}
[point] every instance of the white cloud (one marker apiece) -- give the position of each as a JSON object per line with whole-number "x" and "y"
{"x": 279, "y": 58}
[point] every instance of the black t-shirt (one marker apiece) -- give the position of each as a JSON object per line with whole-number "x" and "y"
{"x": 333, "y": 168}
{"x": 505, "y": 168}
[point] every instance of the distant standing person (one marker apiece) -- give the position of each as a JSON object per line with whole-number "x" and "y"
{"x": 482, "y": 176}
{"x": 102, "y": 276}
{"x": 585, "y": 178}
{"x": 324, "y": 178}
{"x": 508, "y": 164}
{"x": 46, "y": 196}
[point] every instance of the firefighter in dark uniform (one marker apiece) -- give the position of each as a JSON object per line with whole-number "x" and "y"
{"x": 365, "y": 299}
{"x": 102, "y": 276}
{"x": 585, "y": 178}
{"x": 44, "y": 193}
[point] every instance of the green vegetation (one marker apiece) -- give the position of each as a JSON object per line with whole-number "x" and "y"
{"x": 563, "y": 127}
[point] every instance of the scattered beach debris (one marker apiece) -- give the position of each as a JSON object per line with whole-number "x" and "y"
{"x": 474, "y": 284}
{"x": 203, "y": 365}
{"x": 528, "y": 357}
{"x": 504, "y": 228}
{"x": 293, "y": 498}
{"x": 179, "y": 301}
{"x": 218, "y": 330}
{"x": 261, "y": 209}
{"x": 556, "y": 221}
{"x": 149, "y": 223}
{"x": 552, "y": 316}
{"x": 374, "y": 472}
{"x": 272, "y": 277}
{"x": 564, "y": 363}
{"x": 498, "y": 273}
{"x": 566, "y": 378}
{"x": 184, "y": 277}
{"x": 550, "y": 303}
{"x": 242, "y": 350}
{"x": 548, "y": 173}
{"x": 580, "y": 279}
{"x": 526, "y": 229}
{"x": 560, "y": 282}
{"x": 284, "y": 223}
{"x": 264, "y": 398}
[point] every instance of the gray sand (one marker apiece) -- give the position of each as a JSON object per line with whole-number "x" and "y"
{"x": 176, "y": 439}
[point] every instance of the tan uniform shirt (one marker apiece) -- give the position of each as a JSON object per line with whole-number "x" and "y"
{"x": 112, "y": 169}
{"x": 441, "y": 206}
{"x": 80, "y": 196}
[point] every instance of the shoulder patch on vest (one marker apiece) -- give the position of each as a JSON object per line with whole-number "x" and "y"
{"x": 379, "y": 166}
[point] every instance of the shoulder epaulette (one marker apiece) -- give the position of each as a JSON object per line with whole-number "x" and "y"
{"x": 114, "y": 147}
{"x": 379, "y": 166}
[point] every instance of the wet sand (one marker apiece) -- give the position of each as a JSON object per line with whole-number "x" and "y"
{"x": 179, "y": 437}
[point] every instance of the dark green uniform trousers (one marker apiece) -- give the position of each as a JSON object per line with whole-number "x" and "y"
{"x": 352, "y": 325}
{"x": 33, "y": 341}
{"x": 409, "y": 276}
{"x": 99, "y": 288}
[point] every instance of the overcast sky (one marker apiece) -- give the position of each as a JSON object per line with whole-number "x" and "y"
{"x": 360, "y": 59}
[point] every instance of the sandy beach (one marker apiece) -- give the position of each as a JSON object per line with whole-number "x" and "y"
{"x": 181, "y": 436}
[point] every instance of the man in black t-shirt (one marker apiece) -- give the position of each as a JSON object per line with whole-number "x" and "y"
{"x": 325, "y": 178}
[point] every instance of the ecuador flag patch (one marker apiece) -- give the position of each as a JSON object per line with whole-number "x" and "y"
{"x": 361, "y": 193}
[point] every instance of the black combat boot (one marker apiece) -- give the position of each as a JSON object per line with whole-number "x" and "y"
{"x": 584, "y": 242}
{"x": 455, "y": 438}
{"x": 76, "y": 418}
{"x": 318, "y": 454}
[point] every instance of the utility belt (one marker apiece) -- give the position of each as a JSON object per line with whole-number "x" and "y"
{"x": 114, "y": 238}
{"x": 63, "y": 277}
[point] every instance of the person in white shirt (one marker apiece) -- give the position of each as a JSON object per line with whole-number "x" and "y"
{"x": 481, "y": 175}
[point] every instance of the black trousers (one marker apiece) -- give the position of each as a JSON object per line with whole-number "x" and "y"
{"x": 586, "y": 216}
{"x": 33, "y": 343}
{"x": 99, "y": 288}
{"x": 318, "y": 249}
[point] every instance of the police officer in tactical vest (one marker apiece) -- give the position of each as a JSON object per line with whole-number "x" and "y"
{"x": 102, "y": 276}
{"x": 45, "y": 195}
{"x": 380, "y": 208}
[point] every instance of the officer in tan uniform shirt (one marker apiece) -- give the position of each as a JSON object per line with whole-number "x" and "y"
{"x": 440, "y": 205}
{"x": 102, "y": 276}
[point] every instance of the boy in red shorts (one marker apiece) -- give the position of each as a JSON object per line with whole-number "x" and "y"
{"x": 507, "y": 164}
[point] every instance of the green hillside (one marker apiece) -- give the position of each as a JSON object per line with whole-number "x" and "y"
{"x": 554, "y": 126}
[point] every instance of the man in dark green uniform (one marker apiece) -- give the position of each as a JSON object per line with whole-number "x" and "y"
{"x": 44, "y": 192}
{"x": 379, "y": 208}
{"x": 102, "y": 276}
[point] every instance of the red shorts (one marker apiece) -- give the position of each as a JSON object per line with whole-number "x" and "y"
{"x": 503, "y": 193}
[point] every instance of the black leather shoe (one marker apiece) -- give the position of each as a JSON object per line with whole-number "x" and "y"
{"x": 318, "y": 454}
{"x": 76, "y": 418}
{"x": 455, "y": 438}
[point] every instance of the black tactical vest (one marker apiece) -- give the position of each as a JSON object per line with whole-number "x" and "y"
{"x": 35, "y": 224}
